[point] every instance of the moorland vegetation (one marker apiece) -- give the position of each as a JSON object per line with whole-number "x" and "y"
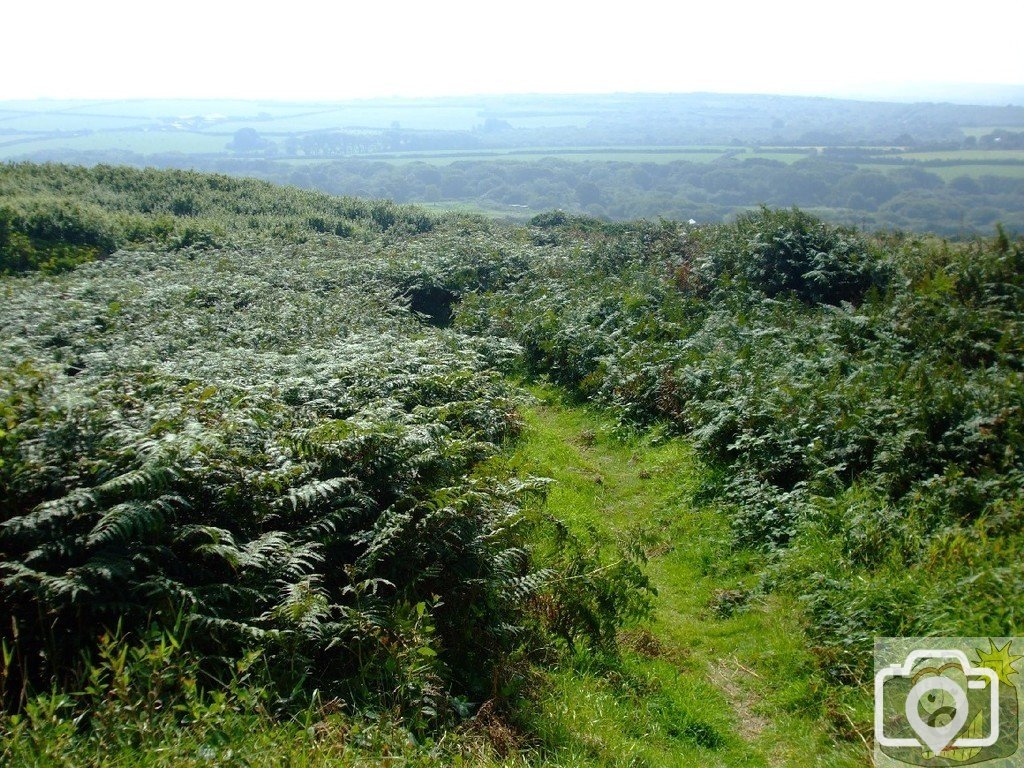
{"x": 254, "y": 441}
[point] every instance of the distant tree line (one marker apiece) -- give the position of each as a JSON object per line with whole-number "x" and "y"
{"x": 348, "y": 143}
{"x": 499, "y": 134}
{"x": 902, "y": 197}
{"x": 893, "y": 193}
{"x": 1002, "y": 140}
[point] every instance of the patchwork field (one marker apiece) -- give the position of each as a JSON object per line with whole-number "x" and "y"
{"x": 702, "y": 156}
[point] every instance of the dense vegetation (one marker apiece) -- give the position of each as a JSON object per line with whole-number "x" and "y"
{"x": 263, "y": 450}
{"x": 951, "y": 196}
{"x": 860, "y": 401}
{"x": 251, "y": 453}
{"x": 53, "y": 217}
{"x": 901, "y": 195}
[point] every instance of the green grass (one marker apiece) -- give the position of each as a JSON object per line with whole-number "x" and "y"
{"x": 979, "y": 131}
{"x": 952, "y": 171}
{"x": 692, "y": 154}
{"x": 70, "y": 121}
{"x": 285, "y": 116}
{"x": 948, "y": 172}
{"x": 132, "y": 141}
{"x": 984, "y": 155}
{"x": 484, "y": 208}
{"x": 532, "y": 154}
{"x": 9, "y": 140}
{"x": 239, "y": 739}
{"x": 782, "y": 157}
{"x": 697, "y": 685}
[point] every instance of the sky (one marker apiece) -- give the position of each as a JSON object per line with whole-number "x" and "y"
{"x": 301, "y": 50}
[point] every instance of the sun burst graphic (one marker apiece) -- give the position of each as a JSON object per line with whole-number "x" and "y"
{"x": 999, "y": 660}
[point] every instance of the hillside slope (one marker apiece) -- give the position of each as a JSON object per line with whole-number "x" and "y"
{"x": 267, "y": 445}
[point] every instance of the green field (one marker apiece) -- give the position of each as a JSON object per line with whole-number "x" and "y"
{"x": 979, "y": 131}
{"x": 142, "y": 142}
{"x": 984, "y": 155}
{"x": 782, "y": 157}
{"x": 48, "y": 123}
{"x": 950, "y": 172}
{"x": 691, "y": 154}
{"x": 273, "y": 116}
{"x": 594, "y": 154}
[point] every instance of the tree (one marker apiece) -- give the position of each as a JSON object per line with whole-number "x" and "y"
{"x": 247, "y": 140}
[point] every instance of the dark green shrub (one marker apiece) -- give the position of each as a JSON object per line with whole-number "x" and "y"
{"x": 790, "y": 252}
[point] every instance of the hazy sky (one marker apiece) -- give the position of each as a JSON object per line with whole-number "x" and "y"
{"x": 335, "y": 49}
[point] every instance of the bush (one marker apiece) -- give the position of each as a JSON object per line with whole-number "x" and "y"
{"x": 781, "y": 252}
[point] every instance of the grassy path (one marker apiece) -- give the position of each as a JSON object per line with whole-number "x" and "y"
{"x": 721, "y": 675}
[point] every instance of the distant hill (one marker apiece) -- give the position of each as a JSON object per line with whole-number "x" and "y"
{"x": 935, "y": 165}
{"x": 989, "y": 94}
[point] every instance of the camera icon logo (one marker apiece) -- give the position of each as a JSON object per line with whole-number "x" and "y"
{"x": 946, "y": 701}
{"x": 941, "y": 698}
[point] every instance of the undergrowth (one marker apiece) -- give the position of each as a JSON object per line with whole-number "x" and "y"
{"x": 858, "y": 401}
{"x": 250, "y": 448}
